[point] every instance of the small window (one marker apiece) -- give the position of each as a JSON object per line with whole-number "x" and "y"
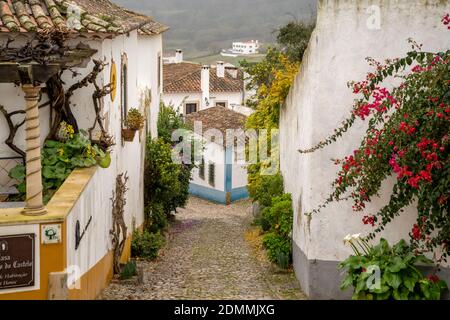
{"x": 190, "y": 108}
{"x": 212, "y": 174}
{"x": 201, "y": 169}
{"x": 221, "y": 104}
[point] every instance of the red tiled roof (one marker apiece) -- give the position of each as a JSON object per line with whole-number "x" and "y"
{"x": 101, "y": 16}
{"x": 186, "y": 77}
{"x": 219, "y": 118}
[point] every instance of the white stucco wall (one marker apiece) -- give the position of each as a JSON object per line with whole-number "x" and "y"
{"x": 320, "y": 100}
{"x": 215, "y": 153}
{"x": 239, "y": 168}
{"x": 177, "y": 100}
{"x": 142, "y": 53}
{"x": 149, "y": 49}
{"x": 235, "y": 98}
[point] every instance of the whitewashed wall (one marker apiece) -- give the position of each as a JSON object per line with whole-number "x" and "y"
{"x": 150, "y": 47}
{"x": 215, "y": 153}
{"x": 179, "y": 99}
{"x": 235, "y": 98}
{"x": 142, "y": 53}
{"x": 320, "y": 100}
{"x": 239, "y": 169}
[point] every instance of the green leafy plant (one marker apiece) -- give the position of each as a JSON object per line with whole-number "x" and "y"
{"x": 166, "y": 182}
{"x": 278, "y": 241}
{"x": 156, "y": 217}
{"x": 128, "y": 270}
{"x": 59, "y": 158}
{"x": 277, "y": 246}
{"x": 263, "y": 188}
{"x": 382, "y": 272}
{"x": 168, "y": 121}
{"x": 146, "y": 245}
{"x": 162, "y": 177}
{"x": 134, "y": 120}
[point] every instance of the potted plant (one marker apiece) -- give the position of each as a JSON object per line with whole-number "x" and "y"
{"x": 134, "y": 122}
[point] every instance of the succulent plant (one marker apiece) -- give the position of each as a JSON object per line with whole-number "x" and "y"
{"x": 135, "y": 120}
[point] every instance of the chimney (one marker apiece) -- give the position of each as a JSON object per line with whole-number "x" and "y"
{"x": 205, "y": 86}
{"x": 233, "y": 72}
{"x": 179, "y": 56}
{"x": 220, "y": 69}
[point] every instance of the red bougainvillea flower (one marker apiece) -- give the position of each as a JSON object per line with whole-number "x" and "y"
{"x": 416, "y": 233}
{"x": 369, "y": 220}
{"x": 433, "y": 278}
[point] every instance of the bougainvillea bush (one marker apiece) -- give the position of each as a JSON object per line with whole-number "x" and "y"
{"x": 408, "y": 138}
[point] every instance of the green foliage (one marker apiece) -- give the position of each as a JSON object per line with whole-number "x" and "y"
{"x": 263, "y": 188}
{"x": 129, "y": 270}
{"x": 59, "y": 158}
{"x": 400, "y": 279}
{"x": 279, "y": 216}
{"x": 156, "y": 217}
{"x": 146, "y": 245}
{"x": 162, "y": 177}
{"x": 294, "y": 38}
{"x": 168, "y": 121}
{"x": 166, "y": 182}
{"x": 278, "y": 248}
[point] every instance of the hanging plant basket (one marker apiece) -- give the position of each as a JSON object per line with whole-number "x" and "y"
{"x": 128, "y": 134}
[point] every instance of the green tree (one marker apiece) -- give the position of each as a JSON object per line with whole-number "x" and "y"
{"x": 293, "y": 38}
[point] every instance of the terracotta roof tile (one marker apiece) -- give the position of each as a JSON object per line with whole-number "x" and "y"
{"x": 219, "y": 118}
{"x": 186, "y": 77}
{"x": 76, "y": 15}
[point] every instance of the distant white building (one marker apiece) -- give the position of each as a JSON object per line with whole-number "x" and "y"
{"x": 248, "y": 47}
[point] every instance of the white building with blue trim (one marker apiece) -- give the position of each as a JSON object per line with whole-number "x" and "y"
{"x": 221, "y": 172}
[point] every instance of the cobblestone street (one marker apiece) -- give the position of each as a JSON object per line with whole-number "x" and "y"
{"x": 212, "y": 252}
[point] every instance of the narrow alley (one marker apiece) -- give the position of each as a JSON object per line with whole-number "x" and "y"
{"x": 212, "y": 252}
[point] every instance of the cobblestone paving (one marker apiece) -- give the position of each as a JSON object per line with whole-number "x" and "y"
{"x": 210, "y": 255}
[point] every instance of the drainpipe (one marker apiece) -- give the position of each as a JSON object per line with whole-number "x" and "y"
{"x": 34, "y": 200}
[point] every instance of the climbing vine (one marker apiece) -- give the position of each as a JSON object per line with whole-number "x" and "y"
{"x": 119, "y": 229}
{"x": 408, "y": 137}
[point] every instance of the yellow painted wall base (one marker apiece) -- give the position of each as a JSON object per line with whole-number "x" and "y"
{"x": 95, "y": 280}
{"x": 91, "y": 283}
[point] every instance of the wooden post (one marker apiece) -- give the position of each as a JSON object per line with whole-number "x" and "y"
{"x": 34, "y": 200}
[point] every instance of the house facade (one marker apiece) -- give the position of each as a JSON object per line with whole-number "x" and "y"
{"x": 77, "y": 262}
{"x": 319, "y": 100}
{"x": 246, "y": 47}
{"x": 191, "y": 87}
{"x": 221, "y": 173}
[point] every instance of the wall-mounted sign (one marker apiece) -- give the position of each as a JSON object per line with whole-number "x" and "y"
{"x": 113, "y": 81}
{"x": 51, "y": 233}
{"x": 17, "y": 261}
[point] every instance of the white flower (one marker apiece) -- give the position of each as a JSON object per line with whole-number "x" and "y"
{"x": 347, "y": 239}
{"x": 356, "y": 236}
